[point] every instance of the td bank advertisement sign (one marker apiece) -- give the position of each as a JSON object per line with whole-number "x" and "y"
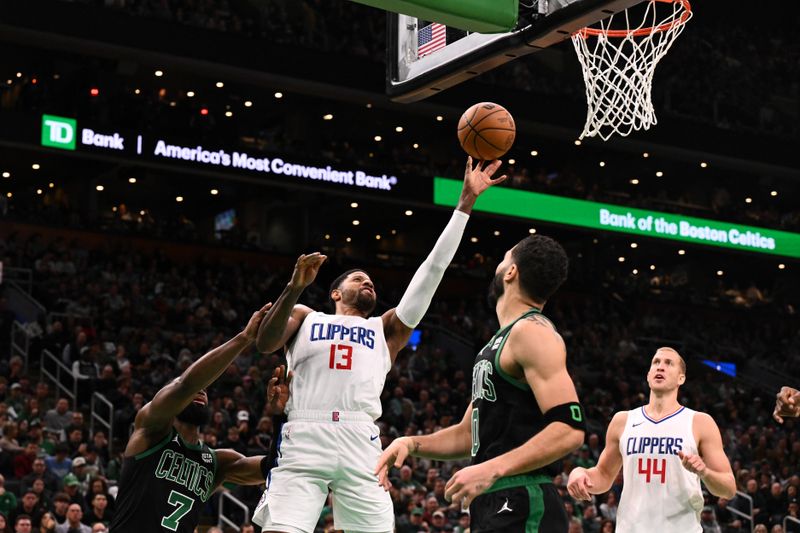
{"x": 64, "y": 134}
{"x": 594, "y": 215}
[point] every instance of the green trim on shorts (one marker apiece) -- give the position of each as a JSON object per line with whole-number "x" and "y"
{"x": 522, "y": 480}
{"x": 535, "y": 508}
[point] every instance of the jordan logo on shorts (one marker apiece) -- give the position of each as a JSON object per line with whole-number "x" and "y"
{"x": 505, "y": 507}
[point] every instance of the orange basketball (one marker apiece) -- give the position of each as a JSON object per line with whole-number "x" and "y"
{"x": 486, "y": 131}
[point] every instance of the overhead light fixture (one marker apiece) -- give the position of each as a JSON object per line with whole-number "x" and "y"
{"x": 681, "y": 252}
{"x": 214, "y": 192}
{"x": 439, "y": 118}
{"x": 532, "y": 231}
{"x": 652, "y": 267}
{"x": 634, "y": 245}
{"x": 38, "y": 191}
{"x": 141, "y": 213}
{"x": 9, "y": 194}
{"x": 602, "y": 163}
{"x": 634, "y": 181}
{"x": 378, "y": 138}
{"x": 356, "y": 222}
{"x": 577, "y": 142}
{"x": 394, "y": 232}
{"x": 19, "y": 74}
{"x": 534, "y": 153}
{"x": 179, "y": 199}
{"x": 348, "y": 239}
{"x": 137, "y": 91}
{"x": 94, "y": 91}
{"x": 100, "y": 188}
{"x": 327, "y": 236}
{"x": 781, "y": 266}
{"x": 720, "y": 272}
{"x": 409, "y": 212}
{"x": 703, "y": 164}
{"x": 645, "y": 155}
{"x": 512, "y": 161}
{"x": 369, "y": 105}
{"x": 190, "y": 94}
{"x": 6, "y": 174}
{"x": 248, "y": 103}
{"x": 36, "y": 166}
{"x": 51, "y": 184}
{"x": 377, "y": 237}
{"x": 773, "y": 193}
{"x": 159, "y": 73}
{"x": 635, "y": 271}
{"x": 353, "y": 204}
{"x": 496, "y": 233}
{"x": 229, "y": 114}
{"x": 398, "y": 129}
{"x": 473, "y": 239}
{"x": 220, "y": 85}
{"x": 278, "y": 95}
{"x": 415, "y": 145}
{"x": 621, "y": 259}
{"x": 131, "y": 180}
{"x": 748, "y": 200}
{"x": 327, "y": 117}
{"x": 659, "y": 174}
{"x": 114, "y": 209}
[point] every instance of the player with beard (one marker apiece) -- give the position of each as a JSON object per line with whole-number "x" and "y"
{"x": 340, "y": 361}
{"x": 524, "y": 414}
{"x": 167, "y": 472}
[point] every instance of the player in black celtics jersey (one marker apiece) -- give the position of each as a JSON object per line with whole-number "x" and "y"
{"x": 524, "y": 414}
{"x": 167, "y": 472}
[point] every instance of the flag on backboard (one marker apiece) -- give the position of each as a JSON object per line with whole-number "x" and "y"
{"x": 431, "y": 38}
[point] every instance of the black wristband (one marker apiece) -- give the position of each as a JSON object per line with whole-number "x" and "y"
{"x": 571, "y": 414}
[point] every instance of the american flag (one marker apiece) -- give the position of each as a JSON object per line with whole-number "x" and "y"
{"x": 431, "y": 38}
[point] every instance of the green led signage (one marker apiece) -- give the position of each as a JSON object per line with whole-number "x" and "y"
{"x": 609, "y": 217}
{"x": 59, "y": 132}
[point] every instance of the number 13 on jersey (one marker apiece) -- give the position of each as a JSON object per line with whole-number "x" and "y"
{"x": 341, "y": 357}
{"x": 650, "y": 468}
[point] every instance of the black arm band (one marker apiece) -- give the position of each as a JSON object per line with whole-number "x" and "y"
{"x": 266, "y": 465}
{"x": 571, "y": 414}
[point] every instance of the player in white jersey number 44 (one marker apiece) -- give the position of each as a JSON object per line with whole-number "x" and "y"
{"x": 340, "y": 361}
{"x": 664, "y": 450}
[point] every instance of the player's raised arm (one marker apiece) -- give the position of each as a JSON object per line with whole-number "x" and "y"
{"x": 156, "y": 417}
{"x": 285, "y": 318}
{"x": 711, "y": 463}
{"x": 787, "y": 404}
{"x": 583, "y": 482}
{"x": 399, "y": 322}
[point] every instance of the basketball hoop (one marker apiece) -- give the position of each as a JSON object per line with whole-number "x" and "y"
{"x": 618, "y": 66}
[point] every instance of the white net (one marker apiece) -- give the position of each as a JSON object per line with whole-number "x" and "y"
{"x": 618, "y": 66}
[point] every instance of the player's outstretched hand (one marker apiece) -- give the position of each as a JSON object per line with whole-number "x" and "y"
{"x": 693, "y": 463}
{"x": 278, "y": 390}
{"x": 787, "y": 403}
{"x": 306, "y": 269}
{"x": 394, "y": 455}
{"x": 579, "y": 484}
{"x": 469, "y": 483}
{"x": 478, "y": 178}
{"x": 251, "y": 329}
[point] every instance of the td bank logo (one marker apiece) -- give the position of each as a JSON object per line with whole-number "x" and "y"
{"x": 59, "y": 132}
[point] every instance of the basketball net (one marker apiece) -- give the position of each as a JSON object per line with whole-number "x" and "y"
{"x": 618, "y": 66}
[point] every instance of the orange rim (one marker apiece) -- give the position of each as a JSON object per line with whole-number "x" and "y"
{"x": 641, "y": 32}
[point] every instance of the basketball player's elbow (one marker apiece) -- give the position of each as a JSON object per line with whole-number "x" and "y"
{"x": 572, "y": 439}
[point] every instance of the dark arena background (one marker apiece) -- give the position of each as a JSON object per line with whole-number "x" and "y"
{"x": 165, "y": 162}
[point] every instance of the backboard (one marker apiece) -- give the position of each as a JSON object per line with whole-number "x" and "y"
{"x": 424, "y": 57}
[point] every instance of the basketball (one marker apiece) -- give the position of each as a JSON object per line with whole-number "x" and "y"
{"x": 486, "y": 131}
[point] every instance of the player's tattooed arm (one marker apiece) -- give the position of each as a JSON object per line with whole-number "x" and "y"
{"x": 156, "y": 417}
{"x": 286, "y": 315}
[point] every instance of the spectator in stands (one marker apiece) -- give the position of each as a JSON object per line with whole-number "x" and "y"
{"x": 59, "y": 417}
{"x": 60, "y": 505}
{"x": 23, "y": 524}
{"x": 73, "y": 523}
{"x": 4, "y": 524}
{"x": 99, "y": 527}
{"x": 59, "y": 463}
{"x": 608, "y": 509}
{"x": 77, "y": 422}
{"x": 30, "y": 507}
{"x": 9, "y": 442}
{"x": 775, "y": 505}
{"x": 42, "y": 493}
{"x": 8, "y": 501}
{"x": 23, "y": 462}
{"x": 48, "y": 523}
{"x": 247, "y": 528}
{"x": 72, "y": 489}
{"x": 98, "y": 485}
{"x": 98, "y": 511}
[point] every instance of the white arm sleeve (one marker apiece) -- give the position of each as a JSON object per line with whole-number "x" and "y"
{"x": 414, "y": 303}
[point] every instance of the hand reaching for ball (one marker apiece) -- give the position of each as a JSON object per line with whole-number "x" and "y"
{"x": 477, "y": 179}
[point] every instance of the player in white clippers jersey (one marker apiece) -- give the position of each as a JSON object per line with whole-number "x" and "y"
{"x": 340, "y": 362}
{"x": 664, "y": 450}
